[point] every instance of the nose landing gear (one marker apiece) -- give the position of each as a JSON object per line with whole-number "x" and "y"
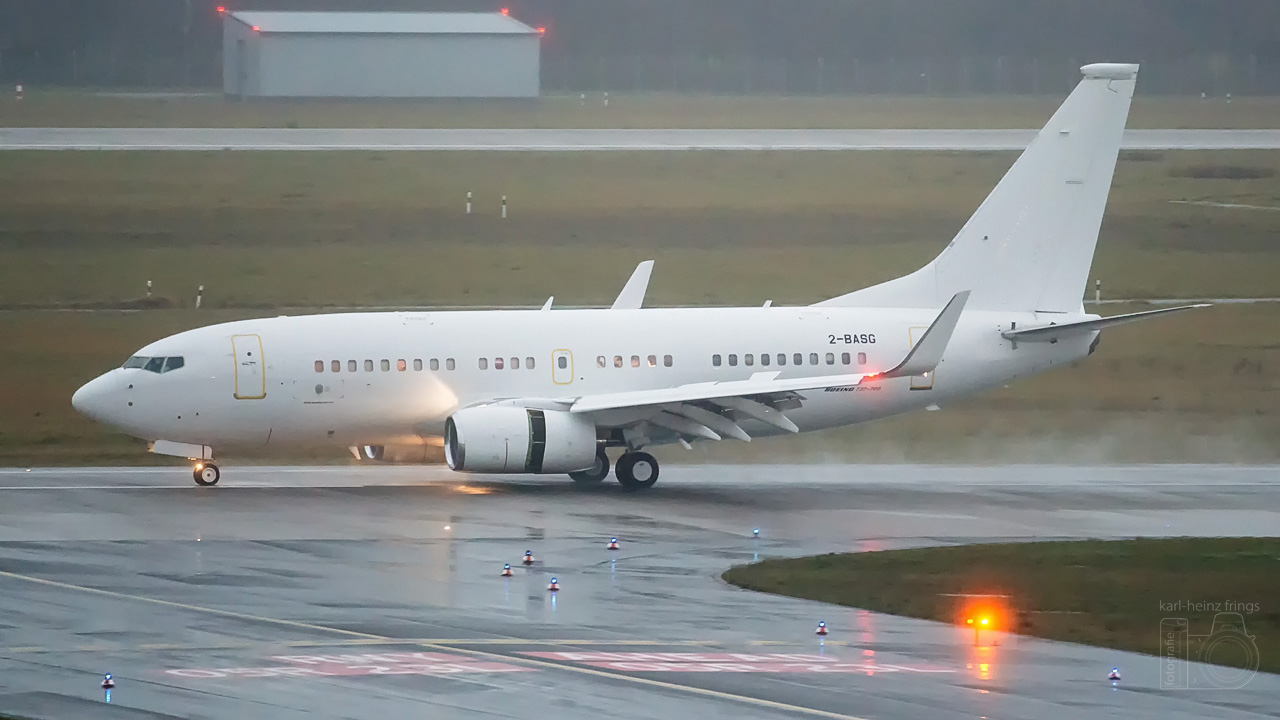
{"x": 206, "y": 474}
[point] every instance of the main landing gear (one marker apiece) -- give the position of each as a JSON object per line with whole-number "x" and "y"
{"x": 598, "y": 472}
{"x": 206, "y": 473}
{"x": 637, "y": 470}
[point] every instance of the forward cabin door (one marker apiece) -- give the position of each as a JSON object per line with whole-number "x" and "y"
{"x": 251, "y": 376}
{"x": 561, "y": 367}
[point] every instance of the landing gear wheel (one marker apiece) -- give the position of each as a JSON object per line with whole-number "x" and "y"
{"x": 206, "y": 474}
{"x": 637, "y": 470}
{"x": 598, "y": 472}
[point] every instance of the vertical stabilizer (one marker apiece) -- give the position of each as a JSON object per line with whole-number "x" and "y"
{"x": 1030, "y": 244}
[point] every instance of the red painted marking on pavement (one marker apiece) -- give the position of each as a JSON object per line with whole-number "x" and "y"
{"x": 418, "y": 663}
{"x": 727, "y": 662}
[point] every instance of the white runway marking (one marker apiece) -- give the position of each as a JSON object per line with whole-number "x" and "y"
{"x": 579, "y": 140}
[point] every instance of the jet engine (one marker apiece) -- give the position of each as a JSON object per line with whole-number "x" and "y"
{"x": 506, "y": 439}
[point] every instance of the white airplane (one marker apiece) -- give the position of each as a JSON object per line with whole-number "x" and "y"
{"x": 550, "y": 391}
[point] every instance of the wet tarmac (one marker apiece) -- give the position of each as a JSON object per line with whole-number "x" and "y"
{"x": 570, "y": 140}
{"x": 376, "y": 592}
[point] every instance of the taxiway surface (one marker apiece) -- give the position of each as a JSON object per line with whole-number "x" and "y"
{"x": 566, "y": 140}
{"x": 375, "y": 592}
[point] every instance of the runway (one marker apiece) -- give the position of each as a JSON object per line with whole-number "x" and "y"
{"x": 570, "y": 140}
{"x": 375, "y": 592}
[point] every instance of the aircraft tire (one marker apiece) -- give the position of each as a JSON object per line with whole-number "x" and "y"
{"x": 206, "y": 474}
{"x": 628, "y": 465}
{"x": 595, "y": 474}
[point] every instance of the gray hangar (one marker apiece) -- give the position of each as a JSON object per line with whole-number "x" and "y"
{"x": 379, "y": 54}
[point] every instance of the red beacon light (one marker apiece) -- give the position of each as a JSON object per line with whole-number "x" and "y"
{"x": 542, "y": 31}
{"x": 257, "y": 29}
{"x": 506, "y": 11}
{"x": 222, "y": 9}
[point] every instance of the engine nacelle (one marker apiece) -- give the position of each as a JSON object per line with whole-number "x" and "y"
{"x": 506, "y": 439}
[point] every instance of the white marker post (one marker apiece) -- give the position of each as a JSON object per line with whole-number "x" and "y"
{"x": 1097, "y": 291}
{"x": 199, "y": 296}
{"x": 468, "y": 202}
{"x": 606, "y": 99}
{"x": 504, "y": 207}
{"x": 148, "y": 289}
{"x": 17, "y": 92}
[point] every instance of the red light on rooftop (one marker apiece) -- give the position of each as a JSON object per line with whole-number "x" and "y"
{"x": 506, "y": 11}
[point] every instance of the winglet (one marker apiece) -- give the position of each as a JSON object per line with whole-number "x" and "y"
{"x": 632, "y": 295}
{"x": 926, "y": 354}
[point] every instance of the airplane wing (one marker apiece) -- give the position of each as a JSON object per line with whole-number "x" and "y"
{"x": 714, "y": 409}
{"x": 632, "y": 295}
{"x": 1052, "y": 333}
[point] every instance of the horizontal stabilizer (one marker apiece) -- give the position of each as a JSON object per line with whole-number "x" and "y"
{"x": 927, "y": 353}
{"x": 1053, "y": 333}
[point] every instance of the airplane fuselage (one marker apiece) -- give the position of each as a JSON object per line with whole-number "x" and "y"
{"x": 393, "y": 378}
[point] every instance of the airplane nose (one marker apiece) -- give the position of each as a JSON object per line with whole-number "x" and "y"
{"x": 89, "y": 398}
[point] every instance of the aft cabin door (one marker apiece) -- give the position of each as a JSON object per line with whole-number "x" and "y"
{"x": 562, "y": 367}
{"x": 923, "y": 381}
{"x": 251, "y": 376}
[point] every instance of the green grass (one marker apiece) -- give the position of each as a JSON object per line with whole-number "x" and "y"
{"x": 78, "y": 109}
{"x": 271, "y": 229}
{"x": 1111, "y": 594}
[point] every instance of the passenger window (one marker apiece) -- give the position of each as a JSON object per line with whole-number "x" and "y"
{"x": 515, "y": 363}
{"x": 715, "y": 360}
{"x": 449, "y": 364}
{"x": 831, "y": 358}
{"x": 528, "y": 363}
{"x": 600, "y": 361}
{"x": 386, "y": 365}
{"x": 798, "y": 359}
{"x": 319, "y": 366}
{"x": 844, "y": 358}
{"x": 653, "y": 361}
{"x": 813, "y": 358}
{"x": 435, "y": 364}
{"x": 352, "y": 365}
{"x": 562, "y": 362}
{"x": 368, "y": 366}
{"x": 635, "y": 361}
{"x": 764, "y": 358}
{"x": 335, "y": 366}
{"x": 497, "y": 363}
{"x": 749, "y": 359}
{"x": 401, "y": 365}
{"x": 782, "y": 358}
{"x": 484, "y": 364}
{"x": 617, "y": 361}
{"x": 417, "y": 364}
{"x": 862, "y": 358}
{"x": 173, "y": 363}
{"x": 666, "y": 361}
{"x": 733, "y": 360}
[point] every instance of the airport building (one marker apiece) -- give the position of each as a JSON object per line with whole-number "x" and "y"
{"x": 379, "y": 55}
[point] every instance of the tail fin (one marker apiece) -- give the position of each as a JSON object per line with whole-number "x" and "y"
{"x": 1029, "y": 246}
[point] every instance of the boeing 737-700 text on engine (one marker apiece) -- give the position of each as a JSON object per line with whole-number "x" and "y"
{"x": 552, "y": 391}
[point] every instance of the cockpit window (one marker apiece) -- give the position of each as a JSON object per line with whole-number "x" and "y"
{"x": 155, "y": 364}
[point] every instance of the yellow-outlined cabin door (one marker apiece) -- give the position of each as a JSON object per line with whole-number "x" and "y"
{"x": 561, "y": 367}
{"x": 251, "y": 369}
{"x": 923, "y": 381}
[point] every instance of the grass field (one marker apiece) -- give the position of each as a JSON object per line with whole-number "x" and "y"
{"x": 1111, "y": 594}
{"x": 83, "y": 109}
{"x": 267, "y": 230}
